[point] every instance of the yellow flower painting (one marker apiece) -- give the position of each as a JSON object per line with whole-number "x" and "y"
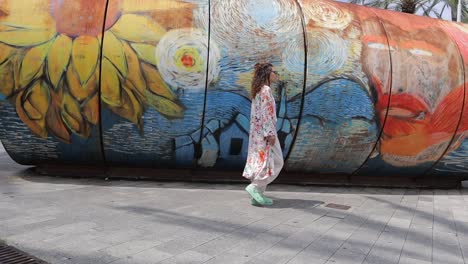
{"x": 59, "y": 61}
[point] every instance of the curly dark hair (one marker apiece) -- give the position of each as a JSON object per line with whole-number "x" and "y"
{"x": 261, "y": 77}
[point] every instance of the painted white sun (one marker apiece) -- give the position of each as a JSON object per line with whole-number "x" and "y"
{"x": 182, "y": 58}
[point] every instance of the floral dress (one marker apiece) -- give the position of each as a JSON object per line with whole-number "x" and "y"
{"x": 263, "y": 161}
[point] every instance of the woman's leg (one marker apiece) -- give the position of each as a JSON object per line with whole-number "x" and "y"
{"x": 257, "y": 196}
{"x": 262, "y": 188}
{"x": 277, "y": 156}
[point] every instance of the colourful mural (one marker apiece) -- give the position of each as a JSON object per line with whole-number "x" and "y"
{"x": 167, "y": 57}
{"x": 425, "y": 99}
{"x": 166, "y": 84}
{"x": 454, "y": 160}
{"x": 50, "y": 54}
{"x": 247, "y": 32}
{"x": 339, "y": 125}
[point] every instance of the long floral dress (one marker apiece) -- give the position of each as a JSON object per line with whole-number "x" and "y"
{"x": 264, "y": 162}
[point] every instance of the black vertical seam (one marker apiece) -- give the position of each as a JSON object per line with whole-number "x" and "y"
{"x": 206, "y": 84}
{"x": 304, "y": 32}
{"x": 462, "y": 112}
{"x": 101, "y": 137}
{"x": 354, "y": 173}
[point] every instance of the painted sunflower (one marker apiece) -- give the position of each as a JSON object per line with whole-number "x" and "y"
{"x": 50, "y": 61}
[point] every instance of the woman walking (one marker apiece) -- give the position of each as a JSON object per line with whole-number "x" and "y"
{"x": 265, "y": 158}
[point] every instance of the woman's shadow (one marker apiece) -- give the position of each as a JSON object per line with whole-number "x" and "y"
{"x": 305, "y": 205}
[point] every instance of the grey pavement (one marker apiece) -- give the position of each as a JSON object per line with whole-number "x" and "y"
{"x": 64, "y": 220}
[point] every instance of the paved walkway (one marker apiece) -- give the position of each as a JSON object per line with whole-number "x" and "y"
{"x": 95, "y": 221}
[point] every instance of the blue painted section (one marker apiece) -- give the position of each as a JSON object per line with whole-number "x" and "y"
{"x": 455, "y": 162}
{"x": 232, "y": 112}
{"x": 337, "y": 130}
{"x": 225, "y": 106}
{"x": 155, "y": 144}
{"x": 184, "y": 151}
{"x": 377, "y": 167}
{"x": 240, "y": 51}
{"x": 213, "y": 126}
{"x": 91, "y": 146}
{"x": 338, "y": 101}
{"x": 232, "y": 132}
{"x": 243, "y": 122}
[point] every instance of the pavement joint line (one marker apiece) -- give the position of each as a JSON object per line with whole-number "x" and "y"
{"x": 408, "y": 230}
{"x": 380, "y": 234}
{"x": 465, "y": 260}
{"x": 432, "y": 233}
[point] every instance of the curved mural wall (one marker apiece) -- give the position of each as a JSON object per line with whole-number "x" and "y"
{"x": 166, "y": 84}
